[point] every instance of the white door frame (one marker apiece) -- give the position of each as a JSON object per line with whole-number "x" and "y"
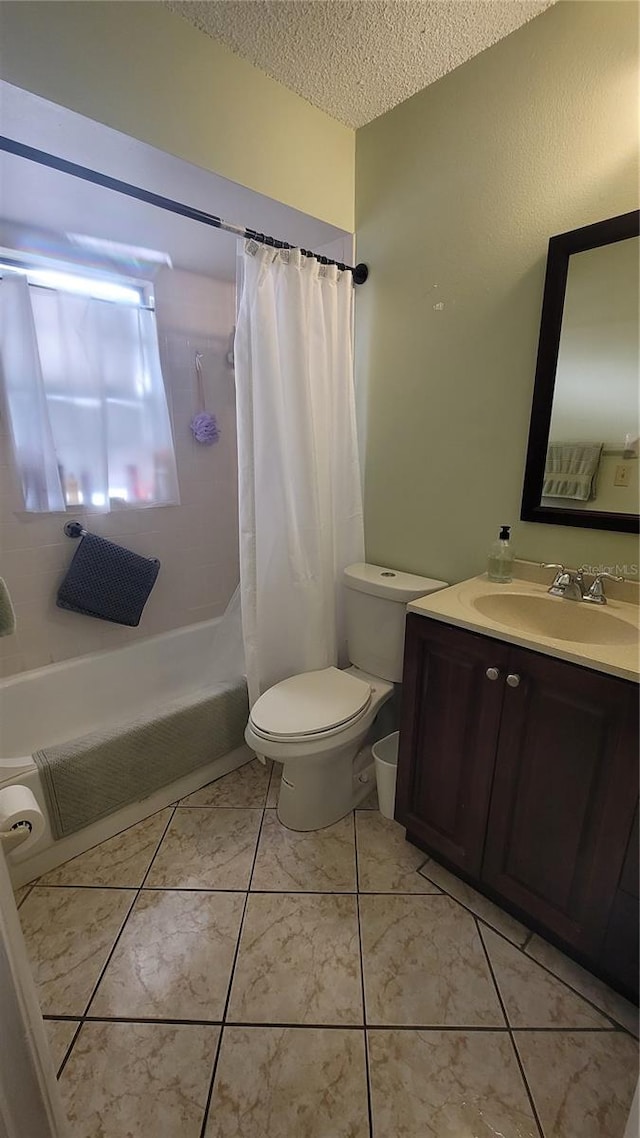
{"x": 30, "y": 1102}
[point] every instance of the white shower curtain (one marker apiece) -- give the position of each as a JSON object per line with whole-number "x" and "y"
{"x": 300, "y": 499}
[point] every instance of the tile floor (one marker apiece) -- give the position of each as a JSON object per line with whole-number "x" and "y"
{"x": 209, "y": 974}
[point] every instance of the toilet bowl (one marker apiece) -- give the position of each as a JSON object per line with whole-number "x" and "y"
{"x": 318, "y": 784}
{"x": 316, "y": 723}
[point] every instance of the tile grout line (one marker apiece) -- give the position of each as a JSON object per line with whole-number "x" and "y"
{"x": 258, "y": 892}
{"x": 617, "y": 1026}
{"x": 471, "y": 1028}
{"x": 476, "y": 916}
{"x": 493, "y": 976}
{"x": 510, "y": 1031}
{"x": 31, "y": 886}
{"x": 216, "y": 1059}
{"x": 117, "y": 940}
{"x": 524, "y": 946}
{"x": 364, "y": 1004}
{"x": 209, "y": 1096}
{"x": 191, "y": 806}
{"x": 69, "y": 1049}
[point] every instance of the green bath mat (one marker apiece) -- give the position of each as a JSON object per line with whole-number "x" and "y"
{"x": 89, "y": 778}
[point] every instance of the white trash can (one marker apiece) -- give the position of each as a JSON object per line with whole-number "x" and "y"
{"x": 385, "y": 754}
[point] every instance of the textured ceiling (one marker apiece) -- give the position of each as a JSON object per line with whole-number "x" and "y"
{"x": 355, "y": 59}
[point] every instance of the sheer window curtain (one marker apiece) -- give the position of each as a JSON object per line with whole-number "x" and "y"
{"x": 85, "y": 398}
{"x": 25, "y": 401}
{"x": 300, "y": 499}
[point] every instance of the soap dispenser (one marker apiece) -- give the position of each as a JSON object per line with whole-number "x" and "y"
{"x": 500, "y": 563}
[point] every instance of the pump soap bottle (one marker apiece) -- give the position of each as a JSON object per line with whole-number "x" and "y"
{"x": 500, "y": 563}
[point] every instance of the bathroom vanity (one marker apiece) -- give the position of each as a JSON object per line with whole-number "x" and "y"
{"x": 518, "y": 766}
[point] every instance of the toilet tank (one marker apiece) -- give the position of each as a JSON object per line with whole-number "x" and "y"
{"x": 376, "y": 600}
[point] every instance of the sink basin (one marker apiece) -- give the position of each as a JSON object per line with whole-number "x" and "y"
{"x": 556, "y": 618}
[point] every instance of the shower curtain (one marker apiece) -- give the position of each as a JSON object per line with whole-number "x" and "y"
{"x": 300, "y": 500}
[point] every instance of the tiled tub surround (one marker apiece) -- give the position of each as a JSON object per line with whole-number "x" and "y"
{"x": 209, "y": 974}
{"x": 197, "y": 541}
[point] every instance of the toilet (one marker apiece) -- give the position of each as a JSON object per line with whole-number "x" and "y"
{"x": 316, "y": 723}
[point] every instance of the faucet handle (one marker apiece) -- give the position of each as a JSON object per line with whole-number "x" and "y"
{"x": 596, "y": 590}
{"x": 561, "y": 578}
{"x": 560, "y": 569}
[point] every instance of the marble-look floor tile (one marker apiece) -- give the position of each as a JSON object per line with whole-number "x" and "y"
{"x": 298, "y": 961}
{"x": 531, "y": 996}
{"x": 137, "y": 1080}
{"x": 483, "y": 908}
{"x": 447, "y": 1084}
{"x": 207, "y": 849}
{"x": 60, "y": 1032}
{"x": 321, "y": 860}
{"x": 274, "y": 785}
{"x": 21, "y": 893}
{"x": 371, "y": 801}
{"x": 245, "y": 787}
{"x": 610, "y": 1002}
{"x": 69, "y": 933}
{"x": 582, "y": 1084}
{"x": 424, "y": 964}
{"x": 289, "y": 1083}
{"x": 174, "y": 958}
{"x": 121, "y": 861}
{"x": 387, "y": 863}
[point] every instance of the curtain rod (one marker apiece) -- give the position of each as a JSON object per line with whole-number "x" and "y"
{"x": 360, "y": 272}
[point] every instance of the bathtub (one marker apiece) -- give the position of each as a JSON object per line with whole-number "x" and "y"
{"x": 67, "y": 700}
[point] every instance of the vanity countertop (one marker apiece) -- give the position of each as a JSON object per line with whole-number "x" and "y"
{"x": 462, "y": 605}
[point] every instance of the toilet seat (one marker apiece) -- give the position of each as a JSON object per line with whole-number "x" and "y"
{"x": 311, "y": 705}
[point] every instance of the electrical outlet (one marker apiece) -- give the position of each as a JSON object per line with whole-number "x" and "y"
{"x": 622, "y": 475}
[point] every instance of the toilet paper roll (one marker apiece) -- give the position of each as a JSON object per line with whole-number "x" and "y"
{"x": 19, "y": 804}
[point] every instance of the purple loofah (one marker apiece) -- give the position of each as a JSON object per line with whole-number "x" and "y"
{"x": 204, "y": 428}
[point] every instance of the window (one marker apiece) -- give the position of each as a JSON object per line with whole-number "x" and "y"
{"x": 84, "y": 390}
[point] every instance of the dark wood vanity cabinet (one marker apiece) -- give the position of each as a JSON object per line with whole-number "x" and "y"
{"x": 562, "y": 803}
{"x": 450, "y": 721}
{"x": 619, "y": 954}
{"x": 527, "y": 782}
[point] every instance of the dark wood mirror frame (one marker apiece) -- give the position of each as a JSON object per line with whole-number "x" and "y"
{"x": 560, "y": 249}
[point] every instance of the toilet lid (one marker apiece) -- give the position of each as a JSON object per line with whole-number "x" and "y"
{"x": 310, "y": 703}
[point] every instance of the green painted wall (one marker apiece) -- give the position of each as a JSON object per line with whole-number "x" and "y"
{"x": 143, "y": 70}
{"x": 457, "y": 193}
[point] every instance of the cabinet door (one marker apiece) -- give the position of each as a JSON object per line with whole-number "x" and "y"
{"x": 449, "y": 729}
{"x": 563, "y": 797}
{"x": 620, "y": 958}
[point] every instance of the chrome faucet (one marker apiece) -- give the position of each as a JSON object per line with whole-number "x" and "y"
{"x": 570, "y": 584}
{"x": 567, "y": 583}
{"x": 596, "y": 596}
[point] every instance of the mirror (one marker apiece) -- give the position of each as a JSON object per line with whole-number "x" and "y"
{"x": 582, "y": 461}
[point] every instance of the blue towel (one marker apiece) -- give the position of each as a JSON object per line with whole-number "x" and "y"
{"x": 107, "y": 581}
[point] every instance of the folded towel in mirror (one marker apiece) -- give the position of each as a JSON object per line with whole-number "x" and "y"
{"x": 571, "y": 470}
{"x": 107, "y": 581}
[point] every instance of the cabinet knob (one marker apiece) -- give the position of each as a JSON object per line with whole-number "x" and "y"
{"x": 513, "y": 679}
{"x": 492, "y": 673}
